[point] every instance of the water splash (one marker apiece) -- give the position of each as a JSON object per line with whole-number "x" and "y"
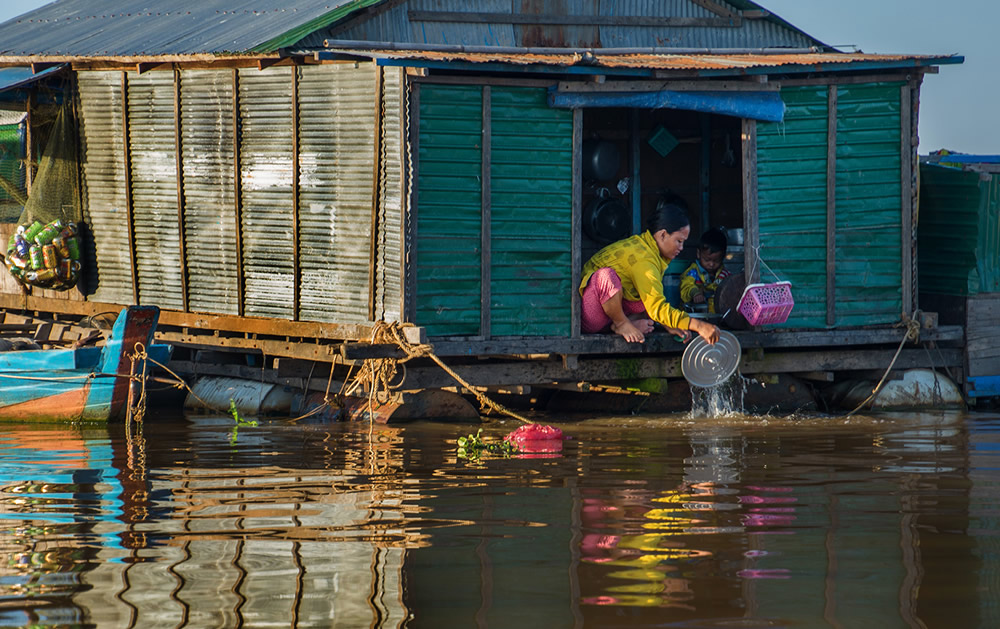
{"x": 723, "y": 400}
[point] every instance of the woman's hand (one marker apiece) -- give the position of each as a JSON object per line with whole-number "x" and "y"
{"x": 705, "y": 330}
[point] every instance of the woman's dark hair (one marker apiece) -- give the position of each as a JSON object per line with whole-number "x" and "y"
{"x": 668, "y": 216}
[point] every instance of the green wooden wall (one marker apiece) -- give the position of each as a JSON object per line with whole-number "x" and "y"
{"x": 958, "y": 235}
{"x": 530, "y": 205}
{"x": 792, "y": 203}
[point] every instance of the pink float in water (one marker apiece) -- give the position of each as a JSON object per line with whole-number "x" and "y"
{"x": 537, "y": 439}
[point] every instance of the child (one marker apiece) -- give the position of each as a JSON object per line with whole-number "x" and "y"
{"x": 700, "y": 280}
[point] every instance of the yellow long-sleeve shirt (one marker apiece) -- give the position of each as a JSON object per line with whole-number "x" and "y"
{"x": 639, "y": 265}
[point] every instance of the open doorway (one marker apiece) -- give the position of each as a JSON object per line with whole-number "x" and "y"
{"x": 633, "y": 158}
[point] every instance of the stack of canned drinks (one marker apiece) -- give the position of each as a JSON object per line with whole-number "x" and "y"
{"x": 46, "y": 256}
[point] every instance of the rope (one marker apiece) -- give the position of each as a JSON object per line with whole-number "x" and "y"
{"x": 379, "y": 373}
{"x": 912, "y": 334}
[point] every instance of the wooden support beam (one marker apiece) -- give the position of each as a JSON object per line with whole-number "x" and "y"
{"x": 143, "y": 67}
{"x": 576, "y": 228}
{"x": 908, "y": 160}
{"x": 127, "y": 170}
{"x": 377, "y": 117}
{"x": 831, "y": 206}
{"x": 179, "y": 167}
{"x": 238, "y": 194}
{"x": 40, "y": 66}
{"x": 411, "y": 176}
{"x": 486, "y": 218}
{"x": 296, "y": 230}
{"x": 751, "y": 216}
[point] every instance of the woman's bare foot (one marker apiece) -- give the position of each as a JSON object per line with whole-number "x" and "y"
{"x": 627, "y": 330}
{"x": 645, "y": 326}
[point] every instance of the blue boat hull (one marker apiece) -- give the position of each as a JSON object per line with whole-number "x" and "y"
{"x": 84, "y": 384}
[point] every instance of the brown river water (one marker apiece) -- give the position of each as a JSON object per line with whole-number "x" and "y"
{"x": 890, "y": 520}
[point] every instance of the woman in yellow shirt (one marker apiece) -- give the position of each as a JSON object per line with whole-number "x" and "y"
{"x": 622, "y": 284}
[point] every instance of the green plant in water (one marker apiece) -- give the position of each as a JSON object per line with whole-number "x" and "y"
{"x": 240, "y": 421}
{"x": 474, "y": 447}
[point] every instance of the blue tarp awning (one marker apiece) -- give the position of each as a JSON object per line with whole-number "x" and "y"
{"x": 766, "y": 106}
{"x": 11, "y": 78}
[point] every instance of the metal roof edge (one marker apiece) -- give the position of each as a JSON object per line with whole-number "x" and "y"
{"x": 295, "y": 35}
{"x": 850, "y": 66}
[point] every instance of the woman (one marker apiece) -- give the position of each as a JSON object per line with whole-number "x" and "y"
{"x": 622, "y": 287}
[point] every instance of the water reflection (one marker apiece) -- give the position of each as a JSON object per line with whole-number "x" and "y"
{"x": 759, "y": 521}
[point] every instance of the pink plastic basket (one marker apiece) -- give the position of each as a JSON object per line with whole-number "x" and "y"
{"x": 762, "y": 304}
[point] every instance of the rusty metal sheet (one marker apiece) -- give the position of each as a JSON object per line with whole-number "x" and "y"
{"x": 266, "y": 155}
{"x": 209, "y": 190}
{"x": 107, "y": 260}
{"x": 153, "y": 151}
{"x": 337, "y": 138}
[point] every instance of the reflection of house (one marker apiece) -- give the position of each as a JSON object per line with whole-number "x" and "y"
{"x": 279, "y": 180}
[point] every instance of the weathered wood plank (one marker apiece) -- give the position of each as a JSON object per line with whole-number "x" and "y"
{"x": 576, "y": 245}
{"x": 486, "y": 218}
{"x": 831, "y": 206}
{"x": 907, "y": 158}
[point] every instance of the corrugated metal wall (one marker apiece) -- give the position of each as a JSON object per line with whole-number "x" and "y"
{"x": 154, "y": 188}
{"x": 531, "y": 174}
{"x": 388, "y": 264}
{"x": 335, "y": 142}
{"x": 791, "y": 200}
{"x": 208, "y": 168}
{"x": 449, "y": 217}
{"x": 394, "y": 25}
{"x": 106, "y": 207}
{"x": 791, "y": 178}
{"x": 958, "y": 236}
{"x": 266, "y": 165}
{"x": 337, "y": 139}
{"x": 869, "y": 219}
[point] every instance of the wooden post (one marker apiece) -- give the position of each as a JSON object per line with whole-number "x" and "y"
{"x": 633, "y": 145}
{"x": 907, "y": 162}
{"x": 29, "y": 141}
{"x": 129, "y": 209}
{"x": 576, "y": 246}
{"x": 296, "y": 271}
{"x": 179, "y": 165}
{"x": 831, "y": 206}
{"x": 238, "y": 190}
{"x": 411, "y": 173}
{"x": 751, "y": 217}
{"x": 486, "y": 256}
{"x": 376, "y": 179}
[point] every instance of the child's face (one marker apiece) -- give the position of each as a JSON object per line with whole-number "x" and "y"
{"x": 711, "y": 262}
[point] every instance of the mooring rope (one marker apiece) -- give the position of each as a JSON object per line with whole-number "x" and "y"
{"x": 912, "y": 334}
{"x": 379, "y": 373}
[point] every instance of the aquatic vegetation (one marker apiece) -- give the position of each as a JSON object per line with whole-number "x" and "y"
{"x": 474, "y": 447}
{"x": 240, "y": 421}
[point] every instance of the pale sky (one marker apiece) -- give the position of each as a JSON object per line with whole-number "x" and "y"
{"x": 958, "y": 105}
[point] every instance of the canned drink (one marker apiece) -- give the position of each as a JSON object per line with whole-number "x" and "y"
{"x": 45, "y": 236}
{"x": 65, "y": 271}
{"x": 21, "y": 245}
{"x": 61, "y": 247}
{"x": 35, "y": 256}
{"x": 17, "y": 272}
{"x": 73, "y": 246}
{"x": 41, "y": 276}
{"x": 49, "y": 257}
{"x": 32, "y": 231}
{"x": 69, "y": 230}
{"x": 18, "y": 261}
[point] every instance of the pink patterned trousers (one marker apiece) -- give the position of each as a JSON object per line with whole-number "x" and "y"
{"x": 602, "y": 286}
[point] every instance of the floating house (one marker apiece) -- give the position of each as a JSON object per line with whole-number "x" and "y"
{"x": 277, "y": 179}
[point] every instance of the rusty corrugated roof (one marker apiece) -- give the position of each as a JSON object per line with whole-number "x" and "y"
{"x": 708, "y": 63}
